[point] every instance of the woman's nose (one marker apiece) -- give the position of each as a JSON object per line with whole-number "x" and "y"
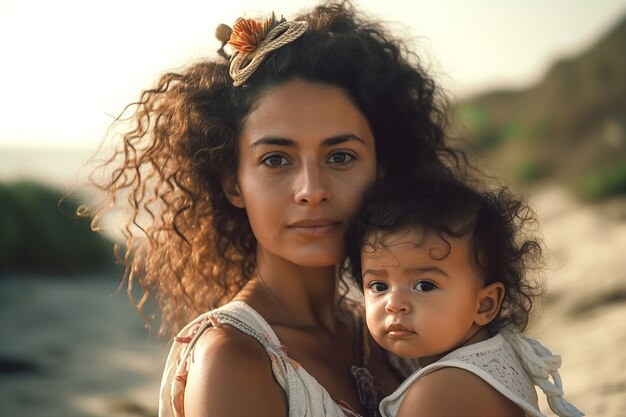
{"x": 310, "y": 185}
{"x": 397, "y": 303}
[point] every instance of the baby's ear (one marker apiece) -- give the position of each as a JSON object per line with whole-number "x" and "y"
{"x": 232, "y": 192}
{"x": 490, "y": 300}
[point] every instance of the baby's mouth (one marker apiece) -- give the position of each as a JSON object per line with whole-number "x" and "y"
{"x": 397, "y": 330}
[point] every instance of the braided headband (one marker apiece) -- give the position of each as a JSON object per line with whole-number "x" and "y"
{"x": 252, "y": 41}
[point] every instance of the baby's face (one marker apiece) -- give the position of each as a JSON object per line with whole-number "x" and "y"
{"x": 421, "y": 294}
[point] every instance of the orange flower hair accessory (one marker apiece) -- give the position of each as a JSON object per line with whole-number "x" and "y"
{"x": 248, "y": 33}
{"x": 253, "y": 40}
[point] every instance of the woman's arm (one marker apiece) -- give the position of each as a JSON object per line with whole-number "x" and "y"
{"x": 231, "y": 375}
{"x": 455, "y": 392}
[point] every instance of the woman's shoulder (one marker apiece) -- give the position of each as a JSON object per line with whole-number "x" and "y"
{"x": 231, "y": 338}
{"x": 230, "y": 373}
{"x": 454, "y": 391}
{"x": 223, "y": 344}
{"x": 219, "y": 365}
{"x": 223, "y": 351}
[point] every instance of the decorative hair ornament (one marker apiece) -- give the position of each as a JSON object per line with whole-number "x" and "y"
{"x": 252, "y": 41}
{"x": 541, "y": 364}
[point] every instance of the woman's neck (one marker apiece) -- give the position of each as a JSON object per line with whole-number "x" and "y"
{"x": 291, "y": 295}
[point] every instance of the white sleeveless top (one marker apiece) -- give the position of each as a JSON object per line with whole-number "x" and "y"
{"x": 504, "y": 362}
{"x": 305, "y": 396}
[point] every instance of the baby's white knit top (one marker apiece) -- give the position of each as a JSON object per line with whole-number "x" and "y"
{"x": 510, "y": 363}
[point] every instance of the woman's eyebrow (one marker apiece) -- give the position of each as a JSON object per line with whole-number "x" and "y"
{"x": 273, "y": 140}
{"x": 280, "y": 141}
{"x": 335, "y": 140}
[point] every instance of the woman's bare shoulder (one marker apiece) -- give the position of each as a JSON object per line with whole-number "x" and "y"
{"x": 454, "y": 391}
{"x": 230, "y": 374}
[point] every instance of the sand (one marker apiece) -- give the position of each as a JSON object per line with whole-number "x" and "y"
{"x": 584, "y": 316}
{"x": 74, "y": 348}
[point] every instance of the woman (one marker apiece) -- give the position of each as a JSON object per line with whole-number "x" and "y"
{"x": 243, "y": 175}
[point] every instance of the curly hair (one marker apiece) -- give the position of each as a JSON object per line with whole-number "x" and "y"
{"x": 186, "y": 245}
{"x": 502, "y": 240}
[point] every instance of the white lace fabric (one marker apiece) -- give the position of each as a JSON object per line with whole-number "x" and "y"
{"x": 502, "y": 361}
{"x": 306, "y": 397}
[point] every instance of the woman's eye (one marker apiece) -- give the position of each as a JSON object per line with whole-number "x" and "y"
{"x": 425, "y": 286}
{"x": 341, "y": 157}
{"x": 377, "y": 286}
{"x": 275, "y": 160}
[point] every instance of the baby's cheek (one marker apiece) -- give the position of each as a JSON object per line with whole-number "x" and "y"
{"x": 372, "y": 318}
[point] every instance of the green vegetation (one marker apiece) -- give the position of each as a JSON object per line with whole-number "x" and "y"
{"x": 472, "y": 116}
{"x": 530, "y": 172}
{"x": 475, "y": 118}
{"x": 40, "y": 233}
{"x": 487, "y": 140}
{"x": 604, "y": 182}
{"x": 569, "y": 128}
{"x": 485, "y": 133}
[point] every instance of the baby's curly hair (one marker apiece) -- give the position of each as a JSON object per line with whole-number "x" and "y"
{"x": 502, "y": 242}
{"x": 186, "y": 245}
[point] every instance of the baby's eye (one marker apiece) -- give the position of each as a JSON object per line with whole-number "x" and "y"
{"x": 341, "y": 157}
{"x": 377, "y": 286}
{"x": 424, "y": 286}
{"x": 273, "y": 160}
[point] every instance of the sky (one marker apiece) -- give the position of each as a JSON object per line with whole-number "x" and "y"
{"x": 69, "y": 66}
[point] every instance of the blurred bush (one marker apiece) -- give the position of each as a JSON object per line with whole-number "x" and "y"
{"x": 530, "y": 172}
{"x": 40, "y": 233}
{"x": 603, "y": 182}
{"x": 569, "y": 128}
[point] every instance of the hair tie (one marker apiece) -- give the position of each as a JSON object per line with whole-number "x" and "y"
{"x": 252, "y": 41}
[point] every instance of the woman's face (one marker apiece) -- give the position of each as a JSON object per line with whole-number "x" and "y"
{"x": 306, "y": 154}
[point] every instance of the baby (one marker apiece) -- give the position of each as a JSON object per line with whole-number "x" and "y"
{"x": 445, "y": 275}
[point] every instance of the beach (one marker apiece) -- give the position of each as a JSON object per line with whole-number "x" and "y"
{"x": 75, "y": 347}
{"x": 583, "y": 318}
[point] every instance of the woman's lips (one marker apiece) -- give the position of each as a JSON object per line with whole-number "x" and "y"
{"x": 314, "y": 227}
{"x": 398, "y": 331}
